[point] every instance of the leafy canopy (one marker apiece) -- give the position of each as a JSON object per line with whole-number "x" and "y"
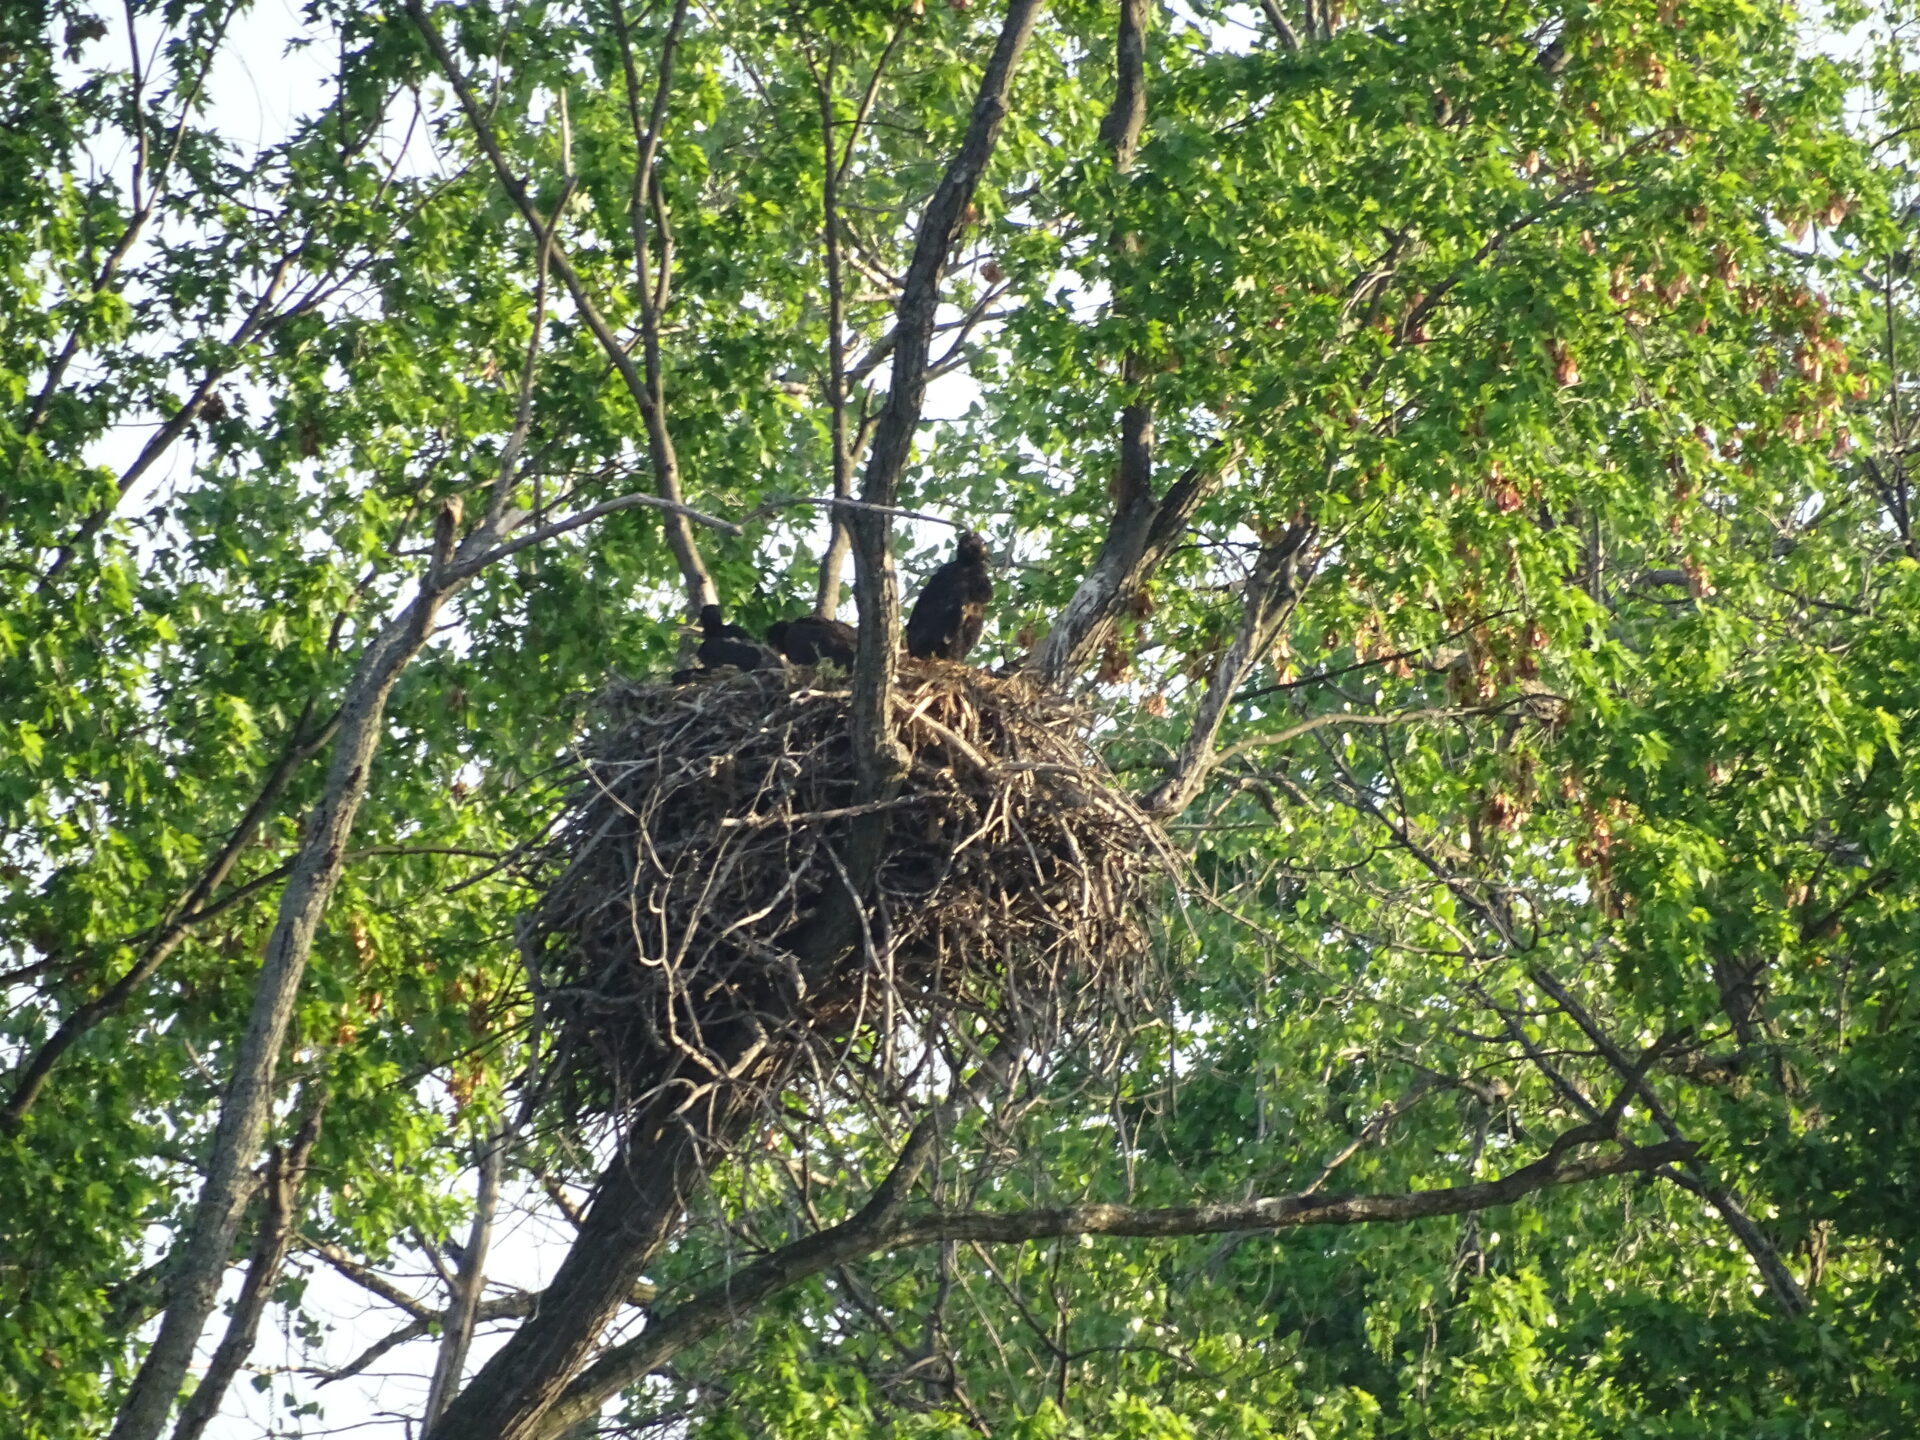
{"x": 1574, "y": 780}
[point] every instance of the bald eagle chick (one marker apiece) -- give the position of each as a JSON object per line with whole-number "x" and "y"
{"x": 952, "y": 608}
{"x": 724, "y": 644}
{"x": 812, "y": 638}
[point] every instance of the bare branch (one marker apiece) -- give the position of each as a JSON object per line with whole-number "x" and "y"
{"x": 1122, "y": 566}
{"x": 646, "y": 202}
{"x": 466, "y": 569}
{"x": 371, "y": 1282}
{"x": 516, "y": 1306}
{"x": 464, "y": 1305}
{"x": 1281, "y": 1213}
{"x": 1321, "y": 722}
{"x": 1271, "y": 593}
{"x": 523, "y": 410}
{"x": 699, "y": 584}
{"x": 286, "y": 1171}
{"x": 829, "y": 502}
{"x": 873, "y": 90}
{"x": 827, "y": 599}
{"x": 257, "y": 320}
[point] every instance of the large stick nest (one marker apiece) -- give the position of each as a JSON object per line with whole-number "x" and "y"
{"x": 688, "y": 927}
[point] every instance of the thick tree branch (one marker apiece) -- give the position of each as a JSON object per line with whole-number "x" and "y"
{"x": 881, "y": 1226}
{"x": 1120, "y": 569}
{"x": 1128, "y": 116}
{"x": 660, "y": 1165}
{"x": 720, "y": 1305}
{"x": 1282, "y": 28}
{"x": 249, "y": 1096}
{"x": 246, "y": 1106}
{"x": 1278, "y": 1213}
{"x": 648, "y": 203}
{"x": 1139, "y": 538}
{"x": 876, "y": 586}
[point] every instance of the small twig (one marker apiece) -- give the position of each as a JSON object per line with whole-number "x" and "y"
{"x": 831, "y": 502}
{"x": 466, "y": 569}
{"x": 367, "y": 1280}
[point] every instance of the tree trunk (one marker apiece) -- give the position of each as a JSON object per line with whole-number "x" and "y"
{"x": 661, "y": 1165}
{"x": 248, "y": 1103}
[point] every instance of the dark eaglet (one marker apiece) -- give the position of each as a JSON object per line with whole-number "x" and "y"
{"x": 724, "y": 644}
{"x": 810, "y": 639}
{"x": 952, "y": 608}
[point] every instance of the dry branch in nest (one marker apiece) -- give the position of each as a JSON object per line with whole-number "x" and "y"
{"x": 695, "y": 924}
